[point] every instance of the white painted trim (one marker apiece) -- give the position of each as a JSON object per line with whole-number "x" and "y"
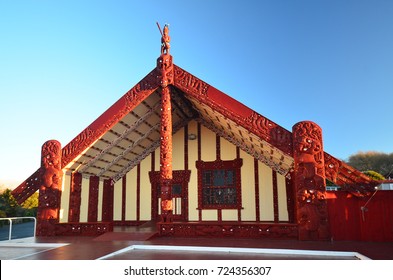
{"x": 239, "y": 250}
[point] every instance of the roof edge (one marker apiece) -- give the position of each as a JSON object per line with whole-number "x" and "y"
{"x": 95, "y": 130}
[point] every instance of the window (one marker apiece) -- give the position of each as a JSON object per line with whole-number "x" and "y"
{"x": 219, "y": 184}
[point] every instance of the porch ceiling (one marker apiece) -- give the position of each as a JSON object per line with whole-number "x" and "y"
{"x": 132, "y": 139}
{"x": 243, "y": 138}
{"x": 137, "y": 134}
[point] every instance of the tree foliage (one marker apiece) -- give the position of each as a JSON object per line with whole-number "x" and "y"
{"x": 9, "y": 207}
{"x": 374, "y": 175}
{"x": 379, "y": 162}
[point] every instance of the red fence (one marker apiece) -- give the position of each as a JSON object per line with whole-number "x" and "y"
{"x": 349, "y": 222}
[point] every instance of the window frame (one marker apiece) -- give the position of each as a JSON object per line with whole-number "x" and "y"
{"x": 226, "y": 165}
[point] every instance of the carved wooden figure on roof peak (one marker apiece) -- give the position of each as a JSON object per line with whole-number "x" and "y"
{"x": 164, "y": 62}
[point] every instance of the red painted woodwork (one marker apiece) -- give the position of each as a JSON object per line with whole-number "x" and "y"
{"x": 124, "y": 197}
{"x": 165, "y": 68}
{"x": 199, "y": 130}
{"x": 107, "y": 201}
{"x": 92, "y": 214}
{"x": 186, "y": 147}
{"x": 166, "y": 156}
{"x": 50, "y": 188}
{"x": 235, "y": 165}
{"x": 309, "y": 179}
{"x": 256, "y": 180}
{"x": 349, "y": 222}
{"x": 347, "y": 177}
{"x": 181, "y": 177}
{"x": 95, "y": 130}
{"x": 290, "y": 191}
{"x": 305, "y": 193}
{"x": 28, "y": 187}
{"x": 218, "y": 147}
{"x": 229, "y": 229}
{"x": 82, "y": 229}
{"x": 111, "y": 117}
{"x": 275, "y": 196}
{"x": 234, "y": 110}
{"x": 75, "y": 197}
{"x": 138, "y": 192}
{"x": 153, "y": 161}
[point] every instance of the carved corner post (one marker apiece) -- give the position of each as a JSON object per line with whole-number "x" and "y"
{"x": 165, "y": 68}
{"x": 310, "y": 184}
{"x": 50, "y": 188}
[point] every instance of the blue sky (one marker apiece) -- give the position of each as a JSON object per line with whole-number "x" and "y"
{"x": 62, "y": 63}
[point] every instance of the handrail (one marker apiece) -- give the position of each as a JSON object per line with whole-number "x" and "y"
{"x": 16, "y": 218}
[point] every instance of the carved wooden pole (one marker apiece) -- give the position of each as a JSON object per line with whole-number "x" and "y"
{"x": 310, "y": 185}
{"x": 165, "y": 67}
{"x": 166, "y": 156}
{"x": 50, "y": 188}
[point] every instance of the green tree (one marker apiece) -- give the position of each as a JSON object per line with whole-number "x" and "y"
{"x": 31, "y": 205}
{"x": 379, "y": 162}
{"x": 10, "y": 208}
{"x": 374, "y": 175}
{"x": 8, "y": 204}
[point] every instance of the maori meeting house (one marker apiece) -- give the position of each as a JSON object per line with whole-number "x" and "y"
{"x": 178, "y": 153}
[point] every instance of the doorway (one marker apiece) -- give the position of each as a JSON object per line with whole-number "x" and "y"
{"x": 180, "y": 182}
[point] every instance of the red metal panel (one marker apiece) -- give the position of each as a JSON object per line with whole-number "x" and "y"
{"x": 349, "y": 222}
{"x": 343, "y": 216}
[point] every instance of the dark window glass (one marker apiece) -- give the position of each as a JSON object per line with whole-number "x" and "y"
{"x": 176, "y": 190}
{"x": 218, "y": 188}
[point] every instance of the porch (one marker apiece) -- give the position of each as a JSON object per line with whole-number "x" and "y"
{"x": 117, "y": 244}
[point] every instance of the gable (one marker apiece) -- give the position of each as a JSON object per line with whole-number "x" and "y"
{"x": 129, "y": 131}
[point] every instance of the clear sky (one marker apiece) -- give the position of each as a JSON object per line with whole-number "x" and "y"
{"x": 62, "y": 63}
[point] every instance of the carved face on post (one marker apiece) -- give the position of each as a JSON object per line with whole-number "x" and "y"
{"x": 51, "y": 164}
{"x": 309, "y": 180}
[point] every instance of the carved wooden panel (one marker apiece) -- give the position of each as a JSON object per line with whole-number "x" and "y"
{"x": 50, "y": 187}
{"x": 309, "y": 178}
{"x": 230, "y": 230}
